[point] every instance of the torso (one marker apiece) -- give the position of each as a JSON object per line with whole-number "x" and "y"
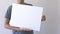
{"x": 15, "y": 31}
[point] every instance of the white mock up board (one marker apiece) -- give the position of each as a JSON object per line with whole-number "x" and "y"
{"x": 26, "y": 16}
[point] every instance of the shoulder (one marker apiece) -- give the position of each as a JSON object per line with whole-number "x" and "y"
{"x": 10, "y": 7}
{"x": 28, "y": 4}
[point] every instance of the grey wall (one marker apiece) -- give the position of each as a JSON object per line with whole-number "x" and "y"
{"x": 58, "y": 14}
{"x": 52, "y": 16}
{"x": 50, "y": 26}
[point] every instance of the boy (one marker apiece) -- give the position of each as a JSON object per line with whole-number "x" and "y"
{"x": 17, "y": 30}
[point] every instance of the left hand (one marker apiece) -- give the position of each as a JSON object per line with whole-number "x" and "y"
{"x": 43, "y": 18}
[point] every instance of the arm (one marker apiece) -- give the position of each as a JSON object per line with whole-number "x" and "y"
{"x": 6, "y": 24}
{"x": 7, "y": 20}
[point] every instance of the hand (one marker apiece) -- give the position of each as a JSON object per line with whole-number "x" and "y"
{"x": 25, "y": 29}
{"x": 43, "y": 18}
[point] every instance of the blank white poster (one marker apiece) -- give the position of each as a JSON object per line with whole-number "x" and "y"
{"x": 26, "y": 16}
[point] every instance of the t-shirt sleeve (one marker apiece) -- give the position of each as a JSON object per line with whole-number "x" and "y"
{"x": 8, "y": 13}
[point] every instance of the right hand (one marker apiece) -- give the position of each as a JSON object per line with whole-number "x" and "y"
{"x": 25, "y": 29}
{"x": 19, "y": 28}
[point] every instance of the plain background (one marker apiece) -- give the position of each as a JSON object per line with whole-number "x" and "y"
{"x": 51, "y": 10}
